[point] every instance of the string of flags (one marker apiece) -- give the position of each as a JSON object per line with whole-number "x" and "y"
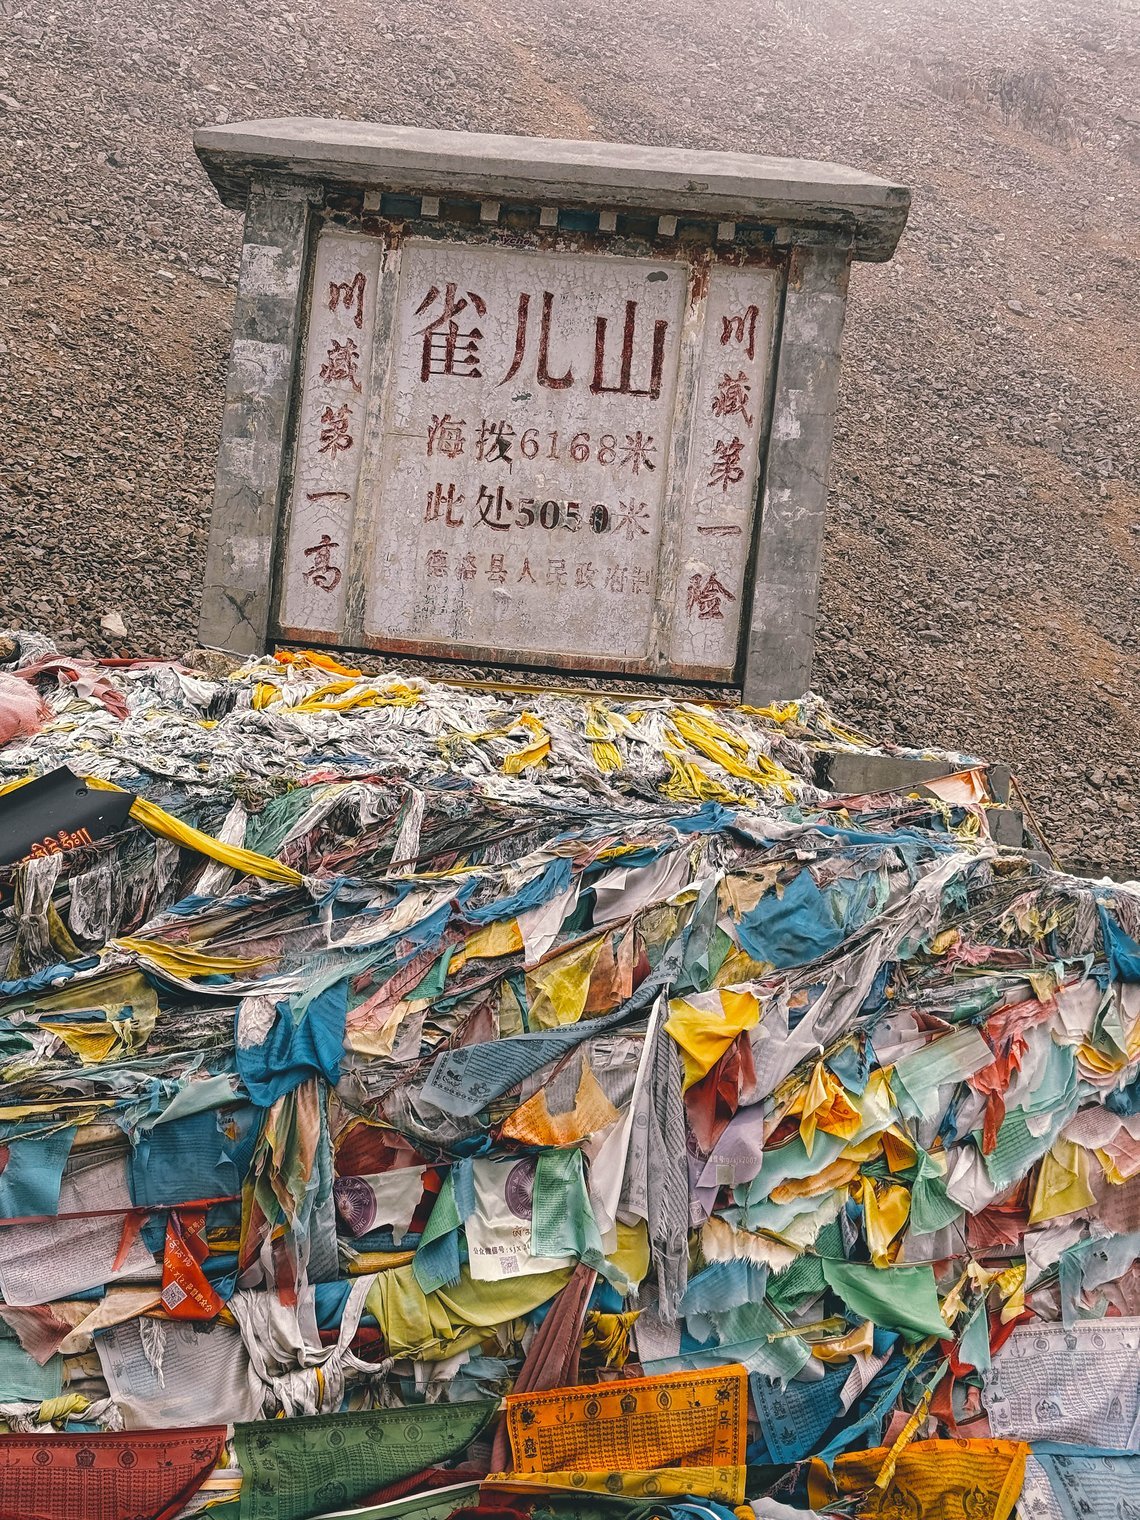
{"x": 429, "y": 1100}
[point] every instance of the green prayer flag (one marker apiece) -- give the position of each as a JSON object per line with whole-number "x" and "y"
{"x": 303, "y": 1468}
{"x": 953, "y": 1057}
{"x": 931, "y": 1207}
{"x": 1018, "y": 1148}
{"x": 432, "y": 984}
{"x": 898, "y": 1298}
{"x": 562, "y": 1221}
{"x": 974, "y": 1342}
{"x": 772, "y": 1353}
{"x": 22, "y": 1378}
{"x": 434, "y": 1269}
{"x": 803, "y": 1279}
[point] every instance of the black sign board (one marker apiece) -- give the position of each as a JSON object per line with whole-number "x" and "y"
{"x": 56, "y": 813}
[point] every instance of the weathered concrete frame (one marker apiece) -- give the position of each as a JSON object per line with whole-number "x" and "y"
{"x": 780, "y": 635}
{"x": 776, "y": 645}
{"x": 237, "y": 591}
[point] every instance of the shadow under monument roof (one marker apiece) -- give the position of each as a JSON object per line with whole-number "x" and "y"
{"x": 865, "y": 208}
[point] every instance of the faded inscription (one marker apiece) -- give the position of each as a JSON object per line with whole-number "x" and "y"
{"x": 521, "y": 467}
{"x": 330, "y": 433}
{"x": 525, "y": 452}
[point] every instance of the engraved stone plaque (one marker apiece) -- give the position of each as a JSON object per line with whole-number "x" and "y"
{"x": 558, "y": 405}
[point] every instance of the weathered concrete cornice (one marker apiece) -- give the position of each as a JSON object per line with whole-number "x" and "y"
{"x": 868, "y": 211}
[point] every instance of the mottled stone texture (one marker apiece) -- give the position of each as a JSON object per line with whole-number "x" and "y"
{"x": 785, "y": 596}
{"x": 236, "y": 597}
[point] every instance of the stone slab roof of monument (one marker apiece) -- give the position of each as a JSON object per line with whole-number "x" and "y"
{"x": 871, "y": 210}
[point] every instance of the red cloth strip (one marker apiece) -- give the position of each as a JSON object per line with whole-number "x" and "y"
{"x": 136, "y": 1475}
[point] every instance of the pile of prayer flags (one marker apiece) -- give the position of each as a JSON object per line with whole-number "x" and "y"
{"x": 431, "y": 1100}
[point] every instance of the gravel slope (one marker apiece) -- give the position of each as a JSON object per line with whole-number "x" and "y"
{"x": 982, "y": 585}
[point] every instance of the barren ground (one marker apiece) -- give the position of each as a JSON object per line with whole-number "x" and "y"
{"x": 982, "y": 586}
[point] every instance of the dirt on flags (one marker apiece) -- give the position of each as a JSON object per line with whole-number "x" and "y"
{"x": 421, "y": 1100}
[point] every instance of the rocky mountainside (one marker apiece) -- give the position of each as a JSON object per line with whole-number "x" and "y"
{"x": 982, "y": 585}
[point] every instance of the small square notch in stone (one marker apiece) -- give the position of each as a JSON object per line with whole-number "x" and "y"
{"x": 607, "y": 221}
{"x": 371, "y": 202}
{"x": 548, "y": 216}
{"x": 667, "y": 226}
{"x": 726, "y": 232}
{"x": 489, "y": 211}
{"x": 429, "y": 205}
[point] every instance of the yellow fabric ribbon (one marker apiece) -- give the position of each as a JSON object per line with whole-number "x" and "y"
{"x": 158, "y": 821}
{"x": 62, "y": 1407}
{"x": 905, "y": 1436}
{"x": 313, "y": 657}
{"x": 533, "y": 752}
{"x": 608, "y": 1335}
{"x": 602, "y": 728}
{"x": 729, "y": 752}
{"x": 857, "y": 1342}
{"x": 181, "y": 961}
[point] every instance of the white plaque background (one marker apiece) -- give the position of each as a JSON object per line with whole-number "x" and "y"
{"x": 566, "y": 587}
{"x": 524, "y": 486}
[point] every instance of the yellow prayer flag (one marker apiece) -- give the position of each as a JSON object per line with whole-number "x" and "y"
{"x": 532, "y": 1123}
{"x": 490, "y": 941}
{"x": 1062, "y": 1183}
{"x": 824, "y": 1105}
{"x": 886, "y": 1208}
{"x": 558, "y": 989}
{"x": 933, "y": 1480}
{"x": 703, "y": 1033}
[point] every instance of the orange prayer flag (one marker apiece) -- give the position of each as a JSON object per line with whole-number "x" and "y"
{"x": 682, "y": 1419}
{"x": 933, "y": 1480}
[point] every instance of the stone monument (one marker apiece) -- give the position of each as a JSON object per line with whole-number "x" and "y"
{"x": 537, "y": 403}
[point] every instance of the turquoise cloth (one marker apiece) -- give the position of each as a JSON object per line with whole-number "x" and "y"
{"x": 29, "y": 1183}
